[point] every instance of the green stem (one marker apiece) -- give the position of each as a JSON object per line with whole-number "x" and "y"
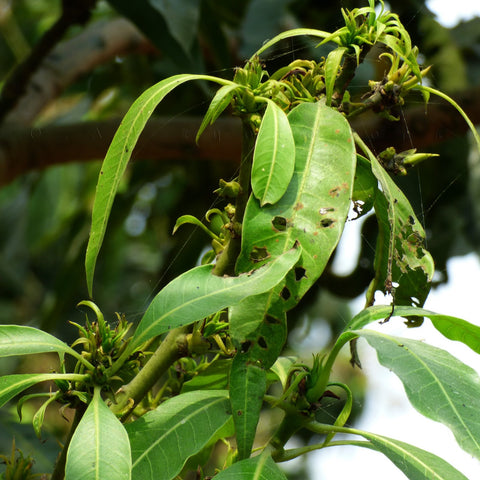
{"x": 59, "y": 471}
{"x": 226, "y": 261}
{"x": 169, "y": 350}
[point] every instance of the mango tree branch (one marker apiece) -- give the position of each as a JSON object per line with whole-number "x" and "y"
{"x": 73, "y": 12}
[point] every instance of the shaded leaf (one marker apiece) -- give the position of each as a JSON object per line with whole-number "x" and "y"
{"x": 364, "y": 188}
{"x": 314, "y": 208}
{"x": 163, "y": 439}
{"x": 248, "y": 382}
{"x": 214, "y": 377}
{"x": 437, "y": 384}
{"x": 198, "y": 293}
{"x": 261, "y": 467}
{"x": 118, "y": 156}
{"x": 100, "y": 449}
{"x": 182, "y": 17}
{"x": 21, "y": 340}
{"x": 274, "y": 156}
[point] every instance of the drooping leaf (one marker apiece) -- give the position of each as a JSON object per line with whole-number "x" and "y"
{"x": 21, "y": 340}
{"x": 452, "y": 328}
{"x": 248, "y": 382}
{"x": 274, "y": 156}
{"x": 12, "y": 385}
{"x": 437, "y": 384}
{"x": 281, "y": 368}
{"x": 219, "y": 103}
{"x": 163, "y": 439}
{"x": 332, "y": 66}
{"x": 118, "y": 156}
{"x": 261, "y": 467}
{"x": 415, "y": 463}
{"x": 314, "y": 208}
{"x": 198, "y": 293}
{"x": 100, "y": 449}
{"x": 401, "y": 259}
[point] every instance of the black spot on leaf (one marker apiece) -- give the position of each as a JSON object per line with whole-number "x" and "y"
{"x": 258, "y": 254}
{"x": 285, "y": 293}
{"x": 300, "y": 273}
{"x": 262, "y": 342}
{"x": 279, "y": 223}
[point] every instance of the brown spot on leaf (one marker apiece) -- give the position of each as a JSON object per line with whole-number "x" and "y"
{"x": 298, "y": 206}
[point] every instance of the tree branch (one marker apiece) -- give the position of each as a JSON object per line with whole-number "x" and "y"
{"x": 25, "y": 149}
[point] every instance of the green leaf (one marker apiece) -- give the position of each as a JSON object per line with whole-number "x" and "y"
{"x": 214, "y": 377}
{"x": 100, "y": 449}
{"x": 281, "y": 368}
{"x": 401, "y": 258}
{"x": 332, "y": 66}
{"x": 163, "y": 439}
{"x": 415, "y": 463}
{"x": 261, "y": 467}
{"x": 199, "y": 293}
{"x": 364, "y": 188}
{"x": 12, "y": 385}
{"x": 219, "y": 103}
{"x": 295, "y": 32}
{"x": 314, "y": 208}
{"x": 438, "y": 385}
{"x": 118, "y": 156}
{"x": 21, "y": 340}
{"x": 274, "y": 156}
{"x": 248, "y": 383}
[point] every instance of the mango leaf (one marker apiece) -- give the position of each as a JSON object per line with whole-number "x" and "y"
{"x": 21, "y": 340}
{"x": 248, "y": 383}
{"x": 401, "y": 259}
{"x": 118, "y": 156}
{"x": 261, "y": 467}
{"x": 219, "y": 103}
{"x": 415, "y": 463}
{"x": 274, "y": 156}
{"x": 452, "y": 328}
{"x": 364, "y": 188}
{"x": 214, "y": 377}
{"x": 100, "y": 449}
{"x": 282, "y": 367}
{"x": 163, "y": 439}
{"x": 314, "y": 208}
{"x": 332, "y": 66}
{"x": 198, "y": 293}
{"x": 438, "y": 385}
{"x": 12, "y": 385}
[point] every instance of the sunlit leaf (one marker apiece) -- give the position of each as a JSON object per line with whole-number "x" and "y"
{"x": 21, "y": 340}
{"x": 332, "y": 66}
{"x": 437, "y": 384}
{"x": 118, "y": 156}
{"x": 314, "y": 208}
{"x": 199, "y": 293}
{"x": 163, "y": 439}
{"x": 452, "y": 328}
{"x": 274, "y": 156}
{"x": 12, "y": 385}
{"x": 100, "y": 449}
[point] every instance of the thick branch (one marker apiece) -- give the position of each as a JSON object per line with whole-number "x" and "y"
{"x": 97, "y": 44}
{"x": 25, "y": 149}
{"x": 73, "y": 12}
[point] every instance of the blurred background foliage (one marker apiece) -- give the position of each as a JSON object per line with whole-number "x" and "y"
{"x": 45, "y": 214}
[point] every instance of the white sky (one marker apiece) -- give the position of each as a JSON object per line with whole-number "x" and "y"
{"x": 451, "y": 12}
